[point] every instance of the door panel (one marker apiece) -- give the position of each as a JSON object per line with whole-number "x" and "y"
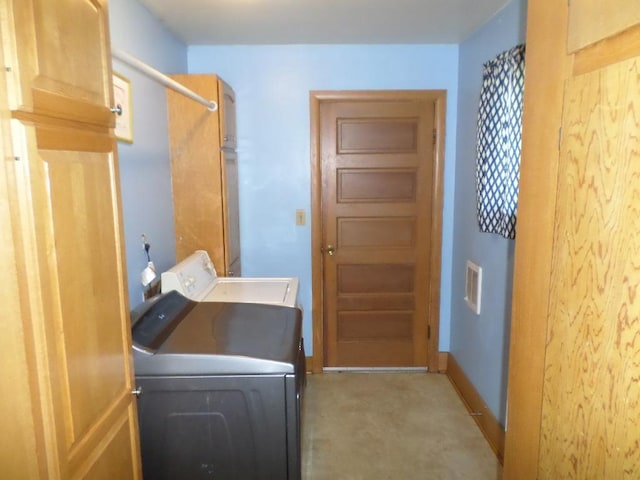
{"x": 377, "y": 169}
{"x": 76, "y": 282}
{"x": 364, "y": 232}
{"x": 593, "y": 346}
{"x": 381, "y": 185}
{"x": 116, "y": 445}
{"x": 82, "y": 208}
{"x": 377, "y": 135}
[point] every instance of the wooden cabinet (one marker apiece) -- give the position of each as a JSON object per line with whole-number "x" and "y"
{"x": 204, "y": 173}
{"x": 67, "y": 406}
{"x": 574, "y": 364}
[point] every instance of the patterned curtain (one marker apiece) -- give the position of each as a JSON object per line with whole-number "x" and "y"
{"x": 499, "y": 138}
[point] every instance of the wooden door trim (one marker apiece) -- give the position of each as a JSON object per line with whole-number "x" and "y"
{"x": 316, "y": 98}
{"x": 546, "y": 69}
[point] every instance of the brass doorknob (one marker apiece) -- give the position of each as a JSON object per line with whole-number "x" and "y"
{"x": 331, "y": 249}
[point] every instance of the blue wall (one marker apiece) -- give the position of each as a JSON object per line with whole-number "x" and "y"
{"x": 480, "y": 343}
{"x": 272, "y": 85}
{"x": 145, "y": 171}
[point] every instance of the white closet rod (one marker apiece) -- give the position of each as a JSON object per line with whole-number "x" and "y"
{"x": 162, "y": 78}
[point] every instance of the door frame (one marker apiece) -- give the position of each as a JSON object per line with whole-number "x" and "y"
{"x": 316, "y": 98}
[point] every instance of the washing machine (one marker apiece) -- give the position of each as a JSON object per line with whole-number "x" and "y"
{"x": 219, "y": 388}
{"x": 195, "y": 277}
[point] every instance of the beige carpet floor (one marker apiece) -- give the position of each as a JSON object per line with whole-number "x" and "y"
{"x": 390, "y": 426}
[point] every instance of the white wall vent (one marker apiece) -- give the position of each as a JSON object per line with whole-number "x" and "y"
{"x": 473, "y": 289}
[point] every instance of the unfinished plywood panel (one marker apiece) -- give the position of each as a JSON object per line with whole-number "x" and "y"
{"x": 591, "y": 398}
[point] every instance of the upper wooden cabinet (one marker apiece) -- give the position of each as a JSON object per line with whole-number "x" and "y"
{"x": 204, "y": 173}
{"x": 59, "y": 59}
{"x": 67, "y": 370}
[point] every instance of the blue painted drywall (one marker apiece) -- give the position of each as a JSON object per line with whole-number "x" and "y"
{"x": 145, "y": 171}
{"x": 480, "y": 343}
{"x": 272, "y": 85}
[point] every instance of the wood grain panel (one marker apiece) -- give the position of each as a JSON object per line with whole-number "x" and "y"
{"x": 374, "y": 325}
{"x": 82, "y": 208}
{"x": 376, "y": 186}
{"x": 375, "y": 279}
{"x": 377, "y": 136}
{"x": 396, "y": 232}
{"x": 593, "y": 20}
{"x": 593, "y": 352}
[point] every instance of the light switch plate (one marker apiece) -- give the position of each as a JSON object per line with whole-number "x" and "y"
{"x": 301, "y": 217}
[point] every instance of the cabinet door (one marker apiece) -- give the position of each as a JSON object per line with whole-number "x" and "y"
{"x": 227, "y": 108}
{"x": 68, "y": 225}
{"x": 60, "y": 58}
{"x": 232, "y": 214}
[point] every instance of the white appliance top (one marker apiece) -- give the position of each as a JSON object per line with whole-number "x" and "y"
{"x": 195, "y": 277}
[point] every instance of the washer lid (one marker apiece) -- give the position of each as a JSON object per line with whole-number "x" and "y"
{"x": 276, "y": 291}
{"x": 210, "y": 338}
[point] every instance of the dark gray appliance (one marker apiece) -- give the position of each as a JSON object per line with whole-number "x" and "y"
{"x": 221, "y": 387}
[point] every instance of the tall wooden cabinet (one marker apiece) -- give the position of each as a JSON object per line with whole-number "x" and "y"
{"x": 66, "y": 402}
{"x": 574, "y": 367}
{"x": 204, "y": 172}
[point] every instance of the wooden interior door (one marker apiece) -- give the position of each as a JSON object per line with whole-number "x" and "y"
{"x": 377, "y": 166}
{"x": 574, "y": 393}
